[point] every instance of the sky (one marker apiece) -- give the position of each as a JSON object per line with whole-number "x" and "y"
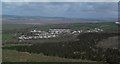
{"x": 60, "y": 0}
{"x": 92, "y": 10}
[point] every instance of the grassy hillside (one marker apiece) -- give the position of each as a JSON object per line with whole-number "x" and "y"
{"x": 15, "y": 56}
{"x": 53, "y": 63}
{"x": 9, "y": 54}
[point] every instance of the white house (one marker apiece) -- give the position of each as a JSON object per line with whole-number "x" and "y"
{"x": 117, "y": 22}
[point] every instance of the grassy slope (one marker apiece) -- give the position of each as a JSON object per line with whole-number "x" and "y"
{"x": 14, "y": 56}
{"x": 11, "y": 55}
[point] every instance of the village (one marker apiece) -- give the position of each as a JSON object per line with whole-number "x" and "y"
{"x": 52, "y": 33}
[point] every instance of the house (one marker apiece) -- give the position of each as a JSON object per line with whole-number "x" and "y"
{"x": 74, "y": 32}
{"x": 52, "y": 33}
{"x": 58, "y": 31}
{"x": 98, "y": 29}
{"x": 117, "y": 22}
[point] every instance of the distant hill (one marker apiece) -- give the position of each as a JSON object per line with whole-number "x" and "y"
{"x": 12, "y": 19}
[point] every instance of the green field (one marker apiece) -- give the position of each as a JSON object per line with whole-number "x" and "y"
{"x": 7, "y": 36}
{"x": 14, "y": 26}
{"x": 102, "y": 25}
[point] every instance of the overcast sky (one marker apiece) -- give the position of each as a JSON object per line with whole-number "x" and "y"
{"x": 60, "y": 0}
{"x": 62, "y": 9}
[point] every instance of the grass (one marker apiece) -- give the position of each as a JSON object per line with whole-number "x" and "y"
{"x": 108, "y": 26}
{"x": 0, "y": 36}
{"x": 12, "y": 45}
{"x": 104, "y": 25}
{"x": 11, "y": 55}
{"x": 14, "y": 26}
{"x": 52, "y": 63}
{"x": 15, "y": 56}
{"x": 7, "y": 36}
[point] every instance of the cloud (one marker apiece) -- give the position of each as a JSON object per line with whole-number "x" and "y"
{"x": 60, "y": 0}
{"x": 64, "y": 9}
{"x": 15, "y": 3}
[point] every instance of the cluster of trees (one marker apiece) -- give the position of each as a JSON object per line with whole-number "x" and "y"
{"x": 83, "y": 48}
